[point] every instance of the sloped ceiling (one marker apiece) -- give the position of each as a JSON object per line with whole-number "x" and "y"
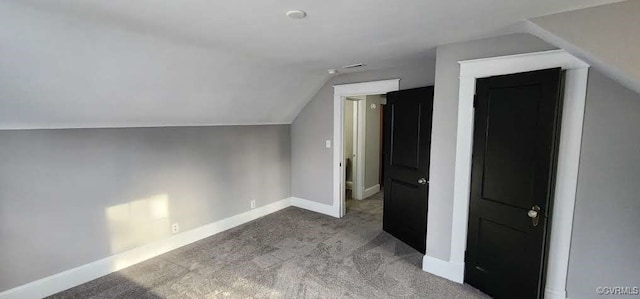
{"x": 606, "y": 36}
{"x": 117, "y": 63}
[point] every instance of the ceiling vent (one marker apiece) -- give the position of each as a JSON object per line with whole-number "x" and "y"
{"x": 353, "y": 66}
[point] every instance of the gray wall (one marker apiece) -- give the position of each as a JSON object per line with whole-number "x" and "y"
{"x": 445, "y": 118}
{"x": 372, "y": 142}
{"x": 606, "y": 36}
{"x": 605, "y": 242}
{"x": 70, "y": 197}
{"x": 68, "y": 68}
{"x": 311, "y": 162}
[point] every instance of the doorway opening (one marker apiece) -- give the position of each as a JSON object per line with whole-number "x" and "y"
{"x": 405, "y": 132}
{"x": 354, "y": 93}
{"x": 362, "y": 147}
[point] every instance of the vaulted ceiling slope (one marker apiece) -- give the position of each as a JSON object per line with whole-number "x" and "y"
{"x": 58, "y": 71}
{"x": 119, "y": 63}
{"x": 607, "y": 36}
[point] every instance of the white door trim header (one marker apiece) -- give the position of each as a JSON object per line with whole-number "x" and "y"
{"x": 340, "y": 92}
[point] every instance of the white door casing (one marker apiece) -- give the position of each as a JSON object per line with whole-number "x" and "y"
{"x": 576, "y": 72}
{"x": 340, "y": 93}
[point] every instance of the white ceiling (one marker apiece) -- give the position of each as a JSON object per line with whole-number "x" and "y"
{"x": 335, "y": 33}
{"x": 78, "y": 63}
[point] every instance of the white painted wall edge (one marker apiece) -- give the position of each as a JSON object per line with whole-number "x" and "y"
{"x": 64, "y": 280}
{"x": 371, "y": 190}
{"x": 315, "y": 207}
{"x": 446, "y": 269}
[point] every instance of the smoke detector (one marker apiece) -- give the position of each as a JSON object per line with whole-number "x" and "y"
{"x": 296, "y": 14}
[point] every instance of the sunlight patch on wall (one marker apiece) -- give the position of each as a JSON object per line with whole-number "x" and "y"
{"x": 138, "y": 222}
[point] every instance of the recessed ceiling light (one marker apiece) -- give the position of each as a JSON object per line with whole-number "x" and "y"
{"x": 333, "y": 71}
{"x": 296, "y": 14}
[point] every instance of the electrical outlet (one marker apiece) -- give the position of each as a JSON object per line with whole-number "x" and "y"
{"x": 175, "y": 228}
{"x": 253, "y": 204}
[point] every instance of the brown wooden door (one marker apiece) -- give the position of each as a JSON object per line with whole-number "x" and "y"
{"x": 514, "y": 153}
{"x": 407, "y": 142}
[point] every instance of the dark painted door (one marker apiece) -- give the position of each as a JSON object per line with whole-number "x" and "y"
{"x": 514, "y": 152}
{"x": 407, "y": 142}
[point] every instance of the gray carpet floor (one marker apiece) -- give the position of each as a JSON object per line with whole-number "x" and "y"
{"x": 292, "y": 253}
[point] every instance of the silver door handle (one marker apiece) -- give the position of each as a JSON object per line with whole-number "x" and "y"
{"x": 422, "y": 181}
{"x": 534, "y": 214}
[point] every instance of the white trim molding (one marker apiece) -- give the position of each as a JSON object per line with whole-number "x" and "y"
{"x": 568, "y": 155}
{"x": 349, "y": 185}
{"x": 65, "y": 280}
{"x": 70, "y": 278}
{"x": 445, "y": 269}
{"x": 314, "y": 206}
{"x": 360, "y": 145}
{"x": 371, "y": 190}
{"x": 340, "y": 92}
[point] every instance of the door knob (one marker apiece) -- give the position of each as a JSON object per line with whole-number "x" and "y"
{"x": 534, "y": 214}
{"x": 422, "y": 181}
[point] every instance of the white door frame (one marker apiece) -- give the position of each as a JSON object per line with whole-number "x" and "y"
{"x": 354, "y": 143}
{"x": 340, "y": 92}
{"x": 359, "y": 142}
{"x": 568, "y": 156}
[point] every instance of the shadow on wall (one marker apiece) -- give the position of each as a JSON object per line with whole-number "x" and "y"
{"x": 138, "y": 222}
{"x": 185, "y": 273}
{"x": 70, "y": 198}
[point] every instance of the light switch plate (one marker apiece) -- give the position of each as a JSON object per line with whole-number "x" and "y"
{"x": 327, "y": 144}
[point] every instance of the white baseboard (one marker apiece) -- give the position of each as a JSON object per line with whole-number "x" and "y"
{"x": 444, "y": 269}
{"x": 550, "y": 293}
{"x": 64, "y": 280}
{"x": 455, "y": 273}
{"x": 314, "y": 206}
{"x": 371, "y": 191}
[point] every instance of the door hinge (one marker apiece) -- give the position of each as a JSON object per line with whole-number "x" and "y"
{"x": 475, "y": 100}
